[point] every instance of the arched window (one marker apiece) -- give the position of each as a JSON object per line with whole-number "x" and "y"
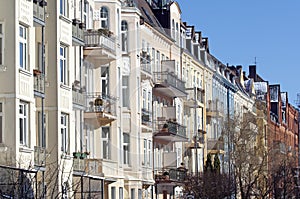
{"x": 104, "y": 17}
{"x": 124, "y": 35}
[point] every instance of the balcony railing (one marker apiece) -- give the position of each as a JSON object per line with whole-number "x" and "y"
{"x": 100, "y": 109}
{"x": 100, "y": 38}
{"x": 169, "y": 79}
{"x": 171, "y": 175}
{"x": 79, "y": 164}
{"x": 99, "y": 102}
{"x": 215, "y": 108}
{"x": 39, "y": 11}
{"x": 78, "y": 32}
{"x": 39, "y": 83}
{"x": 78, "y": 98}
{"x": 39, "y": 156}
{"x": 172, "y": 128}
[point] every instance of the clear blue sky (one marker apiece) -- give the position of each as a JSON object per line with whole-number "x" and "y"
{"x": 239, "y": 31}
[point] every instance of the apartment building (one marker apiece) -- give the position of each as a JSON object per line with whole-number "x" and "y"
{"x": 115, "y": 99}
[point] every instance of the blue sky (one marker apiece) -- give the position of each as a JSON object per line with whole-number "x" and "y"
{"x": 239, "y": 31}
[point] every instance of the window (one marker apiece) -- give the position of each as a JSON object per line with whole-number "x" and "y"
{"x": 23, "y": 47}
{"x": 145, "y": 152}
{"x": 63, "y": 7}
{"x": 106, "y": 143}
{"x": 113, "y": 192}
{"x": 144, "y": 98}
{"x": 158, "y": 62}
{"x": 1, "y": 122}
{"x": 149, "y": 101}
{"x": 120, "y": 192}
{"x": 132, "y": 193}
{"x": 149, "y": 160}
{"x": 126, "y": 145}
{"x": 125, "y": 90}
{"x": 23, "y": 122}
{"x": 63, "y": 65}
{"x": 124, "y": 36}
{"x": 104, "y": 17}
{"x": 105, "y": 80}
{"x": 140, "y": 194}
{"x": 1, "y": 44}
{"x": 64, "y": 123}
{"x": 42, "y": 129}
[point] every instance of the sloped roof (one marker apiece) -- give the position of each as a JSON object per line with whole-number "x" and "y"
{"x": 148, "y": 15}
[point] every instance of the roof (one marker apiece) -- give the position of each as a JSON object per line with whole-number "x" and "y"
{"x": 148, "y": 15}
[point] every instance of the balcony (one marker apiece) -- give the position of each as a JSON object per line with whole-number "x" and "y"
{"x": 94, "y": 167}
{"x": 146, "y": 120}
{"x": 146, "y": 65}
{"x": 167, "y": 81}
{"x": 101, "y": 109}
{"x": 215, "y": 146}
{"x": 100, "y": 47}
{"x": 39, "y": 156}
{"x": 197, "y": 94}
{"x": 39, "y": 12}
{"x": 79, "y": 164}
{"x": 77, "y": 33}
{"x": 215, "y": 108}
{"x": 171, "y": 177}
{"x": 170, "y": 131}
{"x": 39, "y": 83}
{"x": 78, "y": 98}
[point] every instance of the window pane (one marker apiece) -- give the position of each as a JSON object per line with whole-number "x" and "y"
{"x": 1, "y": 29}
{"x": 1, "y": 129}
{"x": 21, "y": 130}
{"x": 1, "y": 51}
{"x": 21, "y": 55}
{"x": 0, "y": 107}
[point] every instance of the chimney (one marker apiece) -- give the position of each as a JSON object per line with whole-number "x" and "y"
{"x": 252, "y": 72}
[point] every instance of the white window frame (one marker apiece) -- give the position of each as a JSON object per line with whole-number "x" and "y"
{"x": 104, "y": 17}
{"x": 1, "y": 122}
{"x": 125, "y": 91}
{"x": 126, "y": 149}
{"x": 145, "y": 152}
{"x": 105, "y": 136}
{"x": 124, "y": 36}
{"x": 149, "y": 151}
{"x": 63, "y": 8}
{"x": 24, "y": 123}
{"x": 63, "y": 64}
{"x": 23, "y": 55}
{"x": 2, "y": 41}
{"x": 64, "y": 131}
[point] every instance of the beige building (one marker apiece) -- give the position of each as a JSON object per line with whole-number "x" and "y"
{"x": 105, "y": 99}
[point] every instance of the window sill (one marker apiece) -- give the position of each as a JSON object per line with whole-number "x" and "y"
{"x": 25, "y": 72}
{"x": 64, "y": 86}
{"x": 65, "y": 156}
{"x": 64, "y": 18}
{"x": 25, "y": 149}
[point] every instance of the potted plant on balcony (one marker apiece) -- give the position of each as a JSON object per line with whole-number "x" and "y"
{"x": 36, "y": 72}
{"x": 76, "y": 154}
